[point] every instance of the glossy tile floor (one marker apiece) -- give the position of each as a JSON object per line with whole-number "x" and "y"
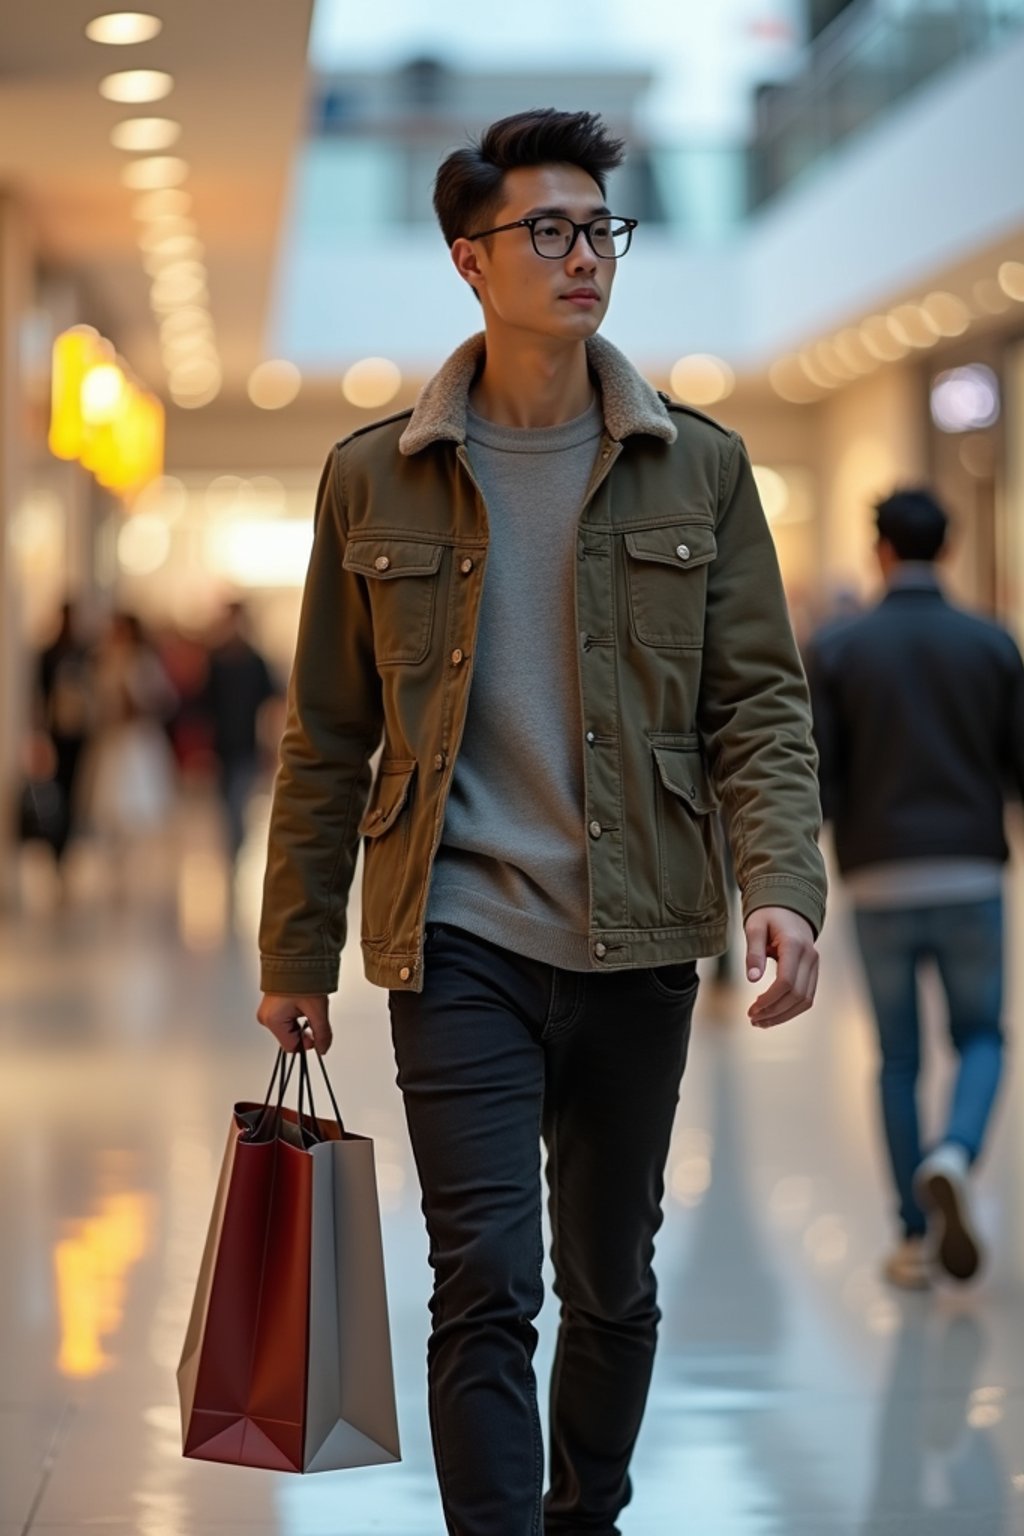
{"x": 794, "y": 1395}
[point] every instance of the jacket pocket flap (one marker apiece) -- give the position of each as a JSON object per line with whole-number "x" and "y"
{"x": 383, "y": 559}
{"x": 390, "y": 793}
{"x": 681, "y": 545}
{"x": 683, "y": 774}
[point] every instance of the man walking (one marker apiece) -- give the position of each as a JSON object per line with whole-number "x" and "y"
{"x": 919, "y": 717}
{"x": 554, "y": 595}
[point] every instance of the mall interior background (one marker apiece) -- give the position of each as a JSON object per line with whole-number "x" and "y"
{"x": 831, "y": 216}
{"x": 830, "y": 260}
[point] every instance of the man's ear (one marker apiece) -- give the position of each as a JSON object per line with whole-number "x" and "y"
{"x": 464, "y": 255}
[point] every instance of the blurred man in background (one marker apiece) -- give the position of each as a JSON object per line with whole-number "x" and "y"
{"x": 919, "y": 719}
{"x": 238, "y": 685}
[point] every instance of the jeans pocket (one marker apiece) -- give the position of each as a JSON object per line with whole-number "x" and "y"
{"x": 677, "y": 982}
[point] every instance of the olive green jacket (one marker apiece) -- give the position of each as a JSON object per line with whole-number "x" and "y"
{"x": 691, "y": 687}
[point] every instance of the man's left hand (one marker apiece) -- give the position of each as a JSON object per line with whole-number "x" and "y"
{"x": 776, "y": 933}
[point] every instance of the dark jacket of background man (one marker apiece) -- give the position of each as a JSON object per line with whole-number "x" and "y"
{"x": 919, "y": 720}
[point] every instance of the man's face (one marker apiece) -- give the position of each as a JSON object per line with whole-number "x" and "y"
{"x": 563, "y": 299}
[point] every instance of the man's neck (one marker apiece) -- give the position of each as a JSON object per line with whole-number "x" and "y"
{"x": 526, "y": 384}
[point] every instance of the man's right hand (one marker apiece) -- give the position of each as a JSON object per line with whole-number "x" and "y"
{"x": 281, "y": 1014}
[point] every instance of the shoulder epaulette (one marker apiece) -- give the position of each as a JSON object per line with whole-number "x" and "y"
{"x": 691, "y": 410}
{"x": 372, "y": 426}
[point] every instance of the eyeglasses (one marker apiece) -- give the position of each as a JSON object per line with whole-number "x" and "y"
{"x": 554, "y": 237}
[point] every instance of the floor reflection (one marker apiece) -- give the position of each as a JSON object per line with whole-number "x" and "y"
{"x": 793, "y": 1395}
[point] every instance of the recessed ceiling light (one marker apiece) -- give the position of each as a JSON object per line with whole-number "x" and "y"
{"x": 120, "y": 28}
{"x": 702, "y": 379}
{"x": 189, "y": 317}
{"x": 159, "y": 232}
{"x": 164, "y": 204}
{"x": 135, "y": 85}
{"x": 372, "y": 382}
{"x": 155, "y": 171}
{"x": 145, "y": 134}
{"x": 274, "y": 384}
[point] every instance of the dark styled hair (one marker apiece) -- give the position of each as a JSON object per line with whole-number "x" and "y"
{"x": 913, "y": 522}
{"x": 469, "y": 182}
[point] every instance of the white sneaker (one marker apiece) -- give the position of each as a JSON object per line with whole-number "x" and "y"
{"x": 940, "y": 1184}
{"x": 909, "y": 1265}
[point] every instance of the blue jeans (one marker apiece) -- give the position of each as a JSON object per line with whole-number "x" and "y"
{"x": 495, "y": 1053}
{"x": 965, "y": 940}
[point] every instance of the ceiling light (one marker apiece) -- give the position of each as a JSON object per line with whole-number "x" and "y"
{"x": 814, "y": 372}
{"x": 120, "y": 28}
{"x": 950, "y": 315}
{"x": 772, "y": 490}
{"x": 274, "y": 384}
{"x": 157, "y": 262}
{"x": 702, "y": 379}
{"x": 164, "y": 204}
{"x": 143, "y": 135}
{"x": 191, "y": 317}
{"x": 878, "y": 338}
{"x": 372, "y": 382}
{"x": 172, "y": 246}
{"x": 137, "y": 85}
{"x": 167, "y": 228}
{"x": 790, "y": 383}
{"x": 912, "y": 324}
{"x": 989, "y": 297}
{"x": 155, "y": 171}
{"x": 167, "y": 293}
{"x": 1011, "y": 280}
{"x": 850, "y": 349}
{"x": 965, "y": 399}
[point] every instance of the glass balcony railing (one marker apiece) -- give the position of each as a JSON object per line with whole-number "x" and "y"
{"x": 873, "y": 55}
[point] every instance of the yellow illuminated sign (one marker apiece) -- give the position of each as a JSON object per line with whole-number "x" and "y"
{"x": 101, "y": 417}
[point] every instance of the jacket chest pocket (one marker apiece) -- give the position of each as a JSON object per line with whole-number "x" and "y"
{"x": 402, "y": 578}
{"x": 667, "y": 578}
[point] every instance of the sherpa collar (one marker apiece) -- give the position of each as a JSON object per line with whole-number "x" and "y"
{"x": 630, "y": 403}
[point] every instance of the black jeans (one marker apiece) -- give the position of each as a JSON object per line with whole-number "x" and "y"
{"x": 495, "y": 1052}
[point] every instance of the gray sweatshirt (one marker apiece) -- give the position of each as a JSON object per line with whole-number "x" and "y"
{"x": 512, "y": 865}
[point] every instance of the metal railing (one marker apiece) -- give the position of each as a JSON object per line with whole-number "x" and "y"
{"x": 874, "y": 55}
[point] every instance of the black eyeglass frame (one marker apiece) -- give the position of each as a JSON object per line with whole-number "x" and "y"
{"x": 577, "y": 230}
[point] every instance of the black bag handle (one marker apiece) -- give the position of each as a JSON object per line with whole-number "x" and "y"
{"x": 284, "y": 1065}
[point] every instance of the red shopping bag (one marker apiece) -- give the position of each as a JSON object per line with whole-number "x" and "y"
{"x": 287, "y": 1357}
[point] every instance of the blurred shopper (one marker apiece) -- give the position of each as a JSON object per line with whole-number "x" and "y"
{"x": 542, "y": 855}
{"x": 132, "y": 777}
{"x": 919, "y": 717}
{"x": 238, "y": 685}
{"x": 65, "y": 715}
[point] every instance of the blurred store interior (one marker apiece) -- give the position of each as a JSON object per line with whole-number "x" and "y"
{"x": 217, "y": 257}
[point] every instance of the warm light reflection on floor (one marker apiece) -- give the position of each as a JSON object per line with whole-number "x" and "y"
{"x": 91, "y": 1266}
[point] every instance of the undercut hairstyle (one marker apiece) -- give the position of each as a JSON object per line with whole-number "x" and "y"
{"x": 469, "y": 185}
{"x": 914, "y": 524}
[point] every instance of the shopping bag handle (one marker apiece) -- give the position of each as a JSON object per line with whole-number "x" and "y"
{"x": 306, "y": 1089}
{"x": 308, "y": 1125}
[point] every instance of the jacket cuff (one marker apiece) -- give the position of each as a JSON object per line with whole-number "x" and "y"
{"x": 795, "y": 895}
{"x": 298, "y": 977}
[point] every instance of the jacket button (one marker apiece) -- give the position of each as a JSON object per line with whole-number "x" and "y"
{"x": 465, "y": 566}
{"x": 456, "y": 657}
{"x": 692, "y": 791}
{"x": 439, "y": 761}
{"x": 404, "y": 973}
{"x": 381, "y": 563}
{"x": 600, "y": 950}
{"x": 683, "y": 551}
{"x": 594, "y": 829}
{"x": 591, "y": 738}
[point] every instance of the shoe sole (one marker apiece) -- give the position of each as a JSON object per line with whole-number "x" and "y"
{"x": 958, "y": 1251}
